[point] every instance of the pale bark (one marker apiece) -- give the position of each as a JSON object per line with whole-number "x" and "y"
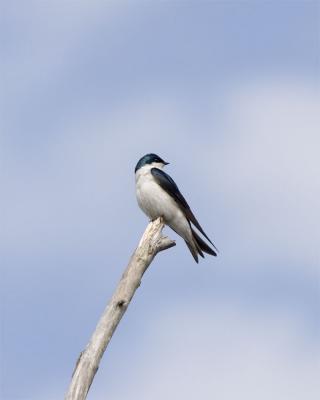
{"x": 151, "y": 243}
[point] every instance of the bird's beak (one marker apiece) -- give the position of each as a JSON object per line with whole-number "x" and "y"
{"x": 166, "y": 163}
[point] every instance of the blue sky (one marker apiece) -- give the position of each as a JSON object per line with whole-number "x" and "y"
{"x": 228, "y": 93}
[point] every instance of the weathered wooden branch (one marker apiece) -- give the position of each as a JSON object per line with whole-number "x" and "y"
{"x": 151, "y": 243}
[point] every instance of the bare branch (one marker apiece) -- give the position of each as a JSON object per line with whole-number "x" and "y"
{"x": 151, "y": 243}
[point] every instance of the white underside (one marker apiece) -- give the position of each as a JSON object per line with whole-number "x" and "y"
{"x": 155, "y": 202}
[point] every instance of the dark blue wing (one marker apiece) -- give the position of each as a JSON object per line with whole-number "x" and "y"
{"x": 169, "y": 185}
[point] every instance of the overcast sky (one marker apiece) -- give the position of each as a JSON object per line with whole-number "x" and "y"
{"x": 228, "y": 93}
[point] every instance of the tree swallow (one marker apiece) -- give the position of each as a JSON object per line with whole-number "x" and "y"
{"x": 159, "y": 196}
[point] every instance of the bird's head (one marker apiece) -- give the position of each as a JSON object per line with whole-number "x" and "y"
{"x": 152, "y": 160}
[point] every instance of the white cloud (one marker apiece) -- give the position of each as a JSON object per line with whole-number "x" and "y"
{"x": 222, "y": 352}
{"x": 268, "y": 168}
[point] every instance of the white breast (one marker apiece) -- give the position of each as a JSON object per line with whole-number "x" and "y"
{"x": 155, "y": 202}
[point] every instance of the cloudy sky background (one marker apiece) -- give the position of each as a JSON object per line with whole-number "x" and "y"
{"x": 228, "y": 92}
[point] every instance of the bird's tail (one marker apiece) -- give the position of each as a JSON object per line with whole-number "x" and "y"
{"x": 199, "y": 246}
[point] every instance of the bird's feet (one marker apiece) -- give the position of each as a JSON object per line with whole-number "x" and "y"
{"x": 161, "y": 219}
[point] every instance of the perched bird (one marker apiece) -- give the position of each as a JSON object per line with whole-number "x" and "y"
{"x": 159, "y": 196}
